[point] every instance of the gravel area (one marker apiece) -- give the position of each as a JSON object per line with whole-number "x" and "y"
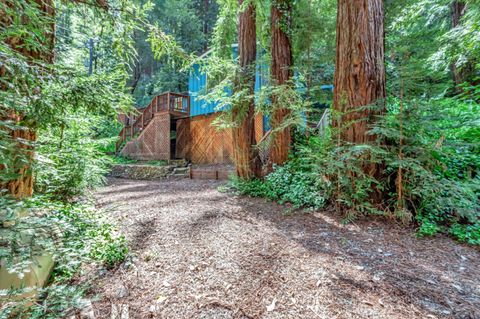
{"x": 201, "y": 253}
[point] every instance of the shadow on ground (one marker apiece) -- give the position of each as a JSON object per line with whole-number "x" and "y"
{"x": 199, "y": 253}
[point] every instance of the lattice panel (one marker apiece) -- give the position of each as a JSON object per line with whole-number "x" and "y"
{"x": 209, "y": 145}
{"x": 153, "y": 143}
{"x": 161, "y": 139}
{"x": 258, "y": 127}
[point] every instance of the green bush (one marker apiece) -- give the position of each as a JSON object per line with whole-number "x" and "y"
{"x": 286, "y": 184}
{"x": 440, "y": 162}
{"x": 69, "y": 159}
{"x": 437, "y": 157}
{"x": 74, "y": 234}
{"x": 466, "y": 233}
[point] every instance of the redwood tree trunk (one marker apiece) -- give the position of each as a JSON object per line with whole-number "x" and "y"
{"x": 23, "y": 185}
{"x": 360, "y": 76}
{"x": 360, "y": 68}
{"x": 281, "y": 73}
{"x": 243, "y": 112}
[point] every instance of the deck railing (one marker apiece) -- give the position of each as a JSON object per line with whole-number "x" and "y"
{"x": 175, "y": 103}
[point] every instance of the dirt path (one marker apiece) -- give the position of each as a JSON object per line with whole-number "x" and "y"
{"x": 200, "y": 253}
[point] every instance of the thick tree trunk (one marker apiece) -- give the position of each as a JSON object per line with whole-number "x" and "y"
{"x": 360, "y": 68}
{"x": 243, "y": 113}
{"x": 281, "y": 74}
{"x": 26, "y": 136}
{"x": 360, "y": 75}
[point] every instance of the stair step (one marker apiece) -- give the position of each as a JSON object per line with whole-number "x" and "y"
{"x": 181, "y": 170}
{"x": 180, "y": 175}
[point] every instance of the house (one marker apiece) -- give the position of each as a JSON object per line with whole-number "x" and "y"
{"x": 179, "y": 126}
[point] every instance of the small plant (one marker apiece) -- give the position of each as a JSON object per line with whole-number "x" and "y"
{"x": 286, "y": 184}
{"x": 72, "y": 233}
{"x": 469, "y": 234}
{"x": 123, "y": 160}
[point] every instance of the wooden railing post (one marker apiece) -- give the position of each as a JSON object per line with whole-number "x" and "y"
{"x": 168, "y": 102}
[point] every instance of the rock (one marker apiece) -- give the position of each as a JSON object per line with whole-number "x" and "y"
{"x": 154, "y": 308}
{"x": 120, "y": 312}
{"x": 122, "y": 292}
{"x": 87, "y": 311}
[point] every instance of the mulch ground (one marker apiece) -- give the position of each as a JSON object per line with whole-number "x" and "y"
{"x": 200, "y": 253}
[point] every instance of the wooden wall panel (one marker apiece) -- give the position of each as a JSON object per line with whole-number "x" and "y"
{"x": 183, "y": 139}
{"x": 208, "y": 144}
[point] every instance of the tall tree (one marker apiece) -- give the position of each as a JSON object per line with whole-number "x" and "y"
{"x": 36, "y": 48}
{"x": 359, "y": 73}
{"x": 281, "y": 74}
{"x": 243, "y": 112}
{"x": 24, "y": 133}
{"x": 359, "y": 68}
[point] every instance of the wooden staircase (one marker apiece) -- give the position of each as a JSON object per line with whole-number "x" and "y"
{"x": 178, "y": 105}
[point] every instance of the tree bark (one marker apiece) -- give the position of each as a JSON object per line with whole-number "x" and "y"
{"x": 25, "y": 136}
{"x": 359, "y": 68}
{"x": 360, "y": 75}
{"x": 243, "y": 112}
{"x": 281, "y": 74}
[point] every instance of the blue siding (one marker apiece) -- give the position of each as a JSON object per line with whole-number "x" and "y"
{"x": 198, "y": 81}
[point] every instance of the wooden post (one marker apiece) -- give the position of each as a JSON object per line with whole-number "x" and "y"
{"x": 168, "y": 101}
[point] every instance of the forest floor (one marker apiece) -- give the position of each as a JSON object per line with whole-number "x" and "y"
{"x": 197, "y": 252}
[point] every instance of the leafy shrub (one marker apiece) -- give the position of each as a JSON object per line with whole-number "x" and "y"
{"x": 72, "y": 233}
{"x": 466, "y": 233}
{"x": 439, "y": 161}
{"x": 69, "y": 158}
{"x": 107, "y": 247}
{"x": 286, "y": 184}
{"x": 437, "y": 158}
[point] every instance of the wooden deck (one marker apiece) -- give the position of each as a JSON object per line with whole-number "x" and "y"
{"x": 177, "y": 105}
{"x": 164, "y": 130}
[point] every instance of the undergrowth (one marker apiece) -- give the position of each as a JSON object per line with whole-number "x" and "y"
{"x": 436, "y": 159}
{"x": 73, "y": 234}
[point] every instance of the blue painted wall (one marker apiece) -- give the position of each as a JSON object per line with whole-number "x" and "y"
{"x": 198, "y": 81}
